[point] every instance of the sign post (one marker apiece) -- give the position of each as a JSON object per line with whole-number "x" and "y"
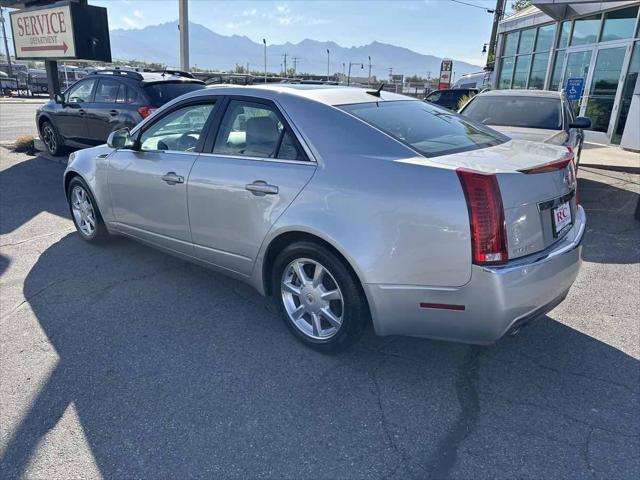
{"x": 445, "y": 74}
{"x": 70, "y": 30}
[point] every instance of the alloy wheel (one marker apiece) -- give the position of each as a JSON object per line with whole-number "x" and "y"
{"x": 83, "y": 211}
{"x": 312, "y": 299}
{"x": 49, "y": 138}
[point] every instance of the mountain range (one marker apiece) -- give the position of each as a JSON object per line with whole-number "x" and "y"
{"x": 210, "y": 50}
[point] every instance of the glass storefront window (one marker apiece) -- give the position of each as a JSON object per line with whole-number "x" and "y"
{"x": 557, "y": 71}
{"x": 604, "y": 85}
{"x": 586, "y": 30}
{"x": 506, "y": 72}
{"x": 577, "y": 65}
{"x": 521, "y": 71}
{"x": 619, "y": 24}
{"x": 538, "y": 71}
{"x": 526, "y": 40}
{"x": 545, "y": 38}
{"x": 510, "y": 44}
{"x": 627, "y": 93}
{"x": 565, "y": 31}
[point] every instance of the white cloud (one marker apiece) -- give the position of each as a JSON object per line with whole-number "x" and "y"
{"x": 237, "y": 25}
{"x": 138, "y": 14}
{"x": 249, "y": 13}
{"x": 131, "y": 23}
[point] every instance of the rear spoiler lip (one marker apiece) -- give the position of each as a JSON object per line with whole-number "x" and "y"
{"x": 566, "y": 159}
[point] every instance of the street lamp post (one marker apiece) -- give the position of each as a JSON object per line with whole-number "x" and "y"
{"x": 369, "y": 77}
{"x": 350, "y": 64}
{"x": 264, "y": 41}
{"x": 328, "y": 63}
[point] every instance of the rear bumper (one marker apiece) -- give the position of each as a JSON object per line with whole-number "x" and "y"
{"x": 495, "y": 300}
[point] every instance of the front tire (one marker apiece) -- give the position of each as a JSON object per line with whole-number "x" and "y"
{"x": 51, "y": 139}
{"x": 85, "y": 213}
{"x": 319, "y": 296}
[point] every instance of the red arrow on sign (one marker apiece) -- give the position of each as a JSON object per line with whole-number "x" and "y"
{"x": 64, "y": 47}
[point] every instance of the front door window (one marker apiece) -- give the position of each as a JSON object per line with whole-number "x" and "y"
{"x": 178, "y": 131}
{"x": 604, "y": 85}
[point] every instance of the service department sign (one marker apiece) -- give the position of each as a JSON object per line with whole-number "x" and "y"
{"x": 44, "y": 33}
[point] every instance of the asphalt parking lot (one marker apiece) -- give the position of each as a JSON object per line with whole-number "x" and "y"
{"x": 118, "y": 361}
{"x": 18, "y": 118}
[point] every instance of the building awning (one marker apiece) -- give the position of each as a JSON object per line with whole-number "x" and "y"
{"x": 563, "y": 9}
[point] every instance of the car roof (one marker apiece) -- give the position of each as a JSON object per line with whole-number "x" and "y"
{"x": 327, "y": 94}
{"x": 522, "y": 93}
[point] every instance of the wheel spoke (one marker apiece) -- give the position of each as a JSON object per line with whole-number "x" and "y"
{"x": 331, "y": 295}
{"x": 332, "y": 319}
{"x": 315, "y": 323}
{"x": 291, "y": 288}
{"x": 318, "y": 273}
{"x": 300, "y": 273}
{"x": 298, "y": 312}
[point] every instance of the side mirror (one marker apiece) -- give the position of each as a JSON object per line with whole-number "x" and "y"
{"x": 581, "y": 122}
{"x": 59, "y": 98}
{"x": 120, "y": 138}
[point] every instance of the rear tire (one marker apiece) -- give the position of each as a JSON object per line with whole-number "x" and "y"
{"x": 84, "y": 212}
{"x": 320, "y": 298}
{"x": 51, "y": 139}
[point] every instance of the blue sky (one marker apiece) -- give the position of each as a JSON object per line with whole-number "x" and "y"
{"x": 436, "y": 27}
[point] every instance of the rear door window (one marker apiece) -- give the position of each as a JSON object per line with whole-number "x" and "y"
{"x": 161, "y": 93}
{"x": 107, "y": 91}
{"x": 428, "y": 129}
{"x": 251, "y": 129}
{"x": 516, "y": 111}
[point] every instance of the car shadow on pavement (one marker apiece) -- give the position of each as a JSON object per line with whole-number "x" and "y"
{"x": 613, "y": 234}
{"x": 29, "y": 188}
{"x": 175, "y": 372}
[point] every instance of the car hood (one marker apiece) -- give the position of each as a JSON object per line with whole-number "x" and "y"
{"x": 531, "y": 134}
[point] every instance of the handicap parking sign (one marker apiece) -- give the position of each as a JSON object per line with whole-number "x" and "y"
{"x": 574, "y": 89}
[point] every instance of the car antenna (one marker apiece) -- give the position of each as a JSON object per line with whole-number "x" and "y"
{"x": 376, "y": 93}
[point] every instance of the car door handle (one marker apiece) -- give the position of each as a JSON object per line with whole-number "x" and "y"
{"x": 261, "y": 188}
{"x": 82, "y": 111}
{"x": 113, "y": 113}
{"x": 171, "y": 178}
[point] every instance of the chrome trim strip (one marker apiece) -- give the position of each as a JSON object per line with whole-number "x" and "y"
{"x": 260, "y": 159}
{"x": 564, "y": 247}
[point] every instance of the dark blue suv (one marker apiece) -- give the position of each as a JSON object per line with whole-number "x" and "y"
{"x": 106, "y": 100}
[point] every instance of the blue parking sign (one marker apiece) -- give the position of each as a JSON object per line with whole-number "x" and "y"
{"x": 575, "y": 87}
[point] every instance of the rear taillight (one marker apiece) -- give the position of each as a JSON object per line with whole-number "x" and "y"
{"x": 566, "y": 159}
{"x": 486, "y": 216}
{"x": 145, "y": 111}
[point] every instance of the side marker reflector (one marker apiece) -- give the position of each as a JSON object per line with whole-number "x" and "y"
{"x": 442, "y": 306}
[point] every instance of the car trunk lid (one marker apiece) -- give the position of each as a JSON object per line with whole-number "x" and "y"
{"x": 537, "y": 188}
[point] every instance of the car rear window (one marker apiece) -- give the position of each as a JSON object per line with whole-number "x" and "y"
{"x": 426, "y": 128}
{"x": 161, "y": 93}
{"x": 516, "y": 111}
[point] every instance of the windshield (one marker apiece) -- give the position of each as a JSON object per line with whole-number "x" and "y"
{"x": 516, "y": 111}
{"x": 430, "y": 130}
{"x": 161, "y": 93}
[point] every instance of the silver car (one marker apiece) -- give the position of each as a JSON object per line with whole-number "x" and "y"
{"x": 535, "y": 115}
{"x": 347, "y": 205}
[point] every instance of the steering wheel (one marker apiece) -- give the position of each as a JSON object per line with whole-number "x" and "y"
{"x": 186, "y": 143}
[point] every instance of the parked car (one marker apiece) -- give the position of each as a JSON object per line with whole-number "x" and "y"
{"x": 107, "y": 100}
{"x": 535, "y": 115}
{"x": 348, "y": 206}
{"x": 450, "y": 98}
{"x": 479, "y": 80}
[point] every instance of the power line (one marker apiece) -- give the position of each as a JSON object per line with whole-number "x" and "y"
{"x": 488, "y": 10}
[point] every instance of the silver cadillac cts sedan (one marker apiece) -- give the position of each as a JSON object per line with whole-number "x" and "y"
{"x": 347, "y": 205}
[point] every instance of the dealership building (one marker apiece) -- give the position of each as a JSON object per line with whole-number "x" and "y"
{"x": 544, "y": 45}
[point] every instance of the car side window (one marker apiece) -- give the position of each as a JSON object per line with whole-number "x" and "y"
{"x": 434, "y": 97}
{"x": 178, "y": 130}
{"x": 81, "y": 91}
{"x": 255, "y": 130}
{"x": 107, "y": 91}
{"x": 126, "y": 94}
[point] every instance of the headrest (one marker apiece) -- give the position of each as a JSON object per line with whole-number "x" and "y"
{"x": 261, "y": 130}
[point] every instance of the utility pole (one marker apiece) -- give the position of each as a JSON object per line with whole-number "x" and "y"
{"x": 369, "y": 78}
{"x": 497, "y": 16}
{"x": 183, "y": 26}
{"x": 285, "y": 64}
{"x": 328, "y": 63}
{"x": 247, "y": 67}
{"x": 264, "y": 41}
{"x": 6, "y": 44}
{"x": 295, "y": 65}
{"x": 390, "y": 72}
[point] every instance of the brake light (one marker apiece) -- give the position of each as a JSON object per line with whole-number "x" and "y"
{"x": 486, "y": 217}
{"x": 567, "y": 158}
{"x": 145, "y": 111}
